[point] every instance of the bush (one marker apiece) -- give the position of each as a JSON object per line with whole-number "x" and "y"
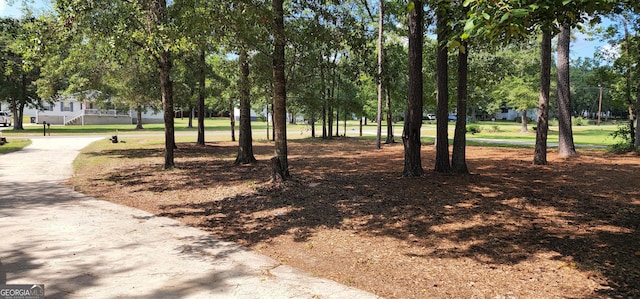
{"x": 625, "y": 144}
{"x": 553, "y": 122}
{"x": 495, "y": 129}
{"x": 473, "y": 129}
{"x": 579, "y": 121}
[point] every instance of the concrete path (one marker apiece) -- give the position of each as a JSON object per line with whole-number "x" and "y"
{"x": 80, "y": 247}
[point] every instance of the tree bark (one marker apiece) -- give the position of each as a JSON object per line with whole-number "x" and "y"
{"x": 166, "y": 89}
{"x": 279, "y": 88}
{"x": 442, "y": 77}
{"x": 245, "y": 148}
{"x": 190, "y": 119}
{"x": 390, "y": 136}
{"x": 139, "y": 120}
{"x": 566, "y": 148}
{"x": 232, "y": 120}
{"x": 459, "y": 157}
{"x": 413, "y": 118}
{"x": 523, "y": 122}
{"x": 637, "y": 143}
{"x": 380, "y": 73}
{"x": 542, "y": 129}
{"x": 201, "y": 96}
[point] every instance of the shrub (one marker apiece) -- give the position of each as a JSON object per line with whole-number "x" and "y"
{"x": 579, "y": 121}
{"x": 553, "y": 122}
{"x": 473, "y": 129}
{"x": 625, "y": 144}
{"x": 495, "y": 129}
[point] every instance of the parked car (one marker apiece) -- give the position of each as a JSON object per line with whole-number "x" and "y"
{"x": 453, "y": 118}
{"x": 5, "y": 119}
{"x": 430, "y": 116}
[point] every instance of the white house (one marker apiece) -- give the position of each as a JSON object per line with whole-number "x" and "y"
{"x": 511, "y": 114}
{"x": 81, "y": 110}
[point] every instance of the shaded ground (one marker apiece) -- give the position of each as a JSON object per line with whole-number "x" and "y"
{"x": 566, "y": 230}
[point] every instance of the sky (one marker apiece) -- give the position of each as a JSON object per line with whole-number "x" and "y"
{"x": 15, "y": 9}
{"x": 581, "y": 47}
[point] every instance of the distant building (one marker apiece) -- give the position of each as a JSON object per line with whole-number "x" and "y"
{"x": 80, "y": 109}
{"x": 507, "y": 113}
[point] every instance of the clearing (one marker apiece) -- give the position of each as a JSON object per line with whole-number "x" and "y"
{"x": 511, "y": 229}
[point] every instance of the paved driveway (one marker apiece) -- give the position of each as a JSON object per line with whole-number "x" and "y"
{"x": 80, "y": 247}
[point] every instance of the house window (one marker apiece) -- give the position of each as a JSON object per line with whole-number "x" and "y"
{"x": 64, "y": 107}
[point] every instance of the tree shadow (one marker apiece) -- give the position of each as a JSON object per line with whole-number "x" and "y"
{"x": 503, "y": 216}
{"x": 41, "y": 246}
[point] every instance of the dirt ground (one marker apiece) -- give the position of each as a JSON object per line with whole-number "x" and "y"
{"x": 509, "y": 230}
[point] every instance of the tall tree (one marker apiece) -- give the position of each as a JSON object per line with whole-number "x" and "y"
{"x": 442, "y": 78}
{"x": 413, "y": 118}
{"x": 245, "y": 148}
{"x": 18, "y": 69}
{"x": 458, "y": 158}
{"x": 566, "y": 148}
{"x": 380, "y": 72}
{"x": 136, "y": 23}
{"x": 279, "y": 89}
{"x": 542, "y": 129}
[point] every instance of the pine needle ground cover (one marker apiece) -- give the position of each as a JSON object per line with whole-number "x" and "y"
{"x": 508, "y": 230}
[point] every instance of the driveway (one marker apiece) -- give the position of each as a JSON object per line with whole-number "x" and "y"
{"x": 80, "y": 247}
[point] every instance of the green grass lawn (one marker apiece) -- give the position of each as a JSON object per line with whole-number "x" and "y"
{"x": 13, "y": 145}
{"x": 219, "y": 128}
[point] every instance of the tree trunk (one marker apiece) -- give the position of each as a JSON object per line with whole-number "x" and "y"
{"x": 279, "y": 88}
{"x": 542, "y": 129}
{"x": 442, "y": 77}
{"x": 337, "y": 120}
{"x": 380, "y": 73}
{"x": 630, "y": 104}
{"x": 166, "y": 89}
{"x": 566, "y": 147}
{"x": 330, "y": 119}
{"x": 201, "y": 95}
{"x": 18, "y": 107}
{"x": 324, "y": 116}
{"x": 245, "y": 148}
{"x": 390, "y": 136}
{"x": 139, "y": 116}
{"x": 523, "y": 118}
{"x": 637, "y": 143}
{"x": 413, "y": 116}
{"x": 459, "y": 158}
{"x": 18, "y": 116}
{"x": 232, "y": 120}
{"x": 190, "y": 120}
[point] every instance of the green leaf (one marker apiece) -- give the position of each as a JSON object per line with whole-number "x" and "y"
{"x": 565, "y": 2}
{"x": 411, "y": 6}
{"x": 486, "y": 16}
{"x": 464, "y": 36}
{"x": 469, "y": 25}
{"x": 520, "y": 12}
{"x": 505, "y": 17}
{"x": 467, "y": 2}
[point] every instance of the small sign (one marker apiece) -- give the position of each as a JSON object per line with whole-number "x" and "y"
{"x": 21, "y": 291}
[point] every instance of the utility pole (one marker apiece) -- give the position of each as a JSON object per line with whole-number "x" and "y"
{"x": 600, "y": 104}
